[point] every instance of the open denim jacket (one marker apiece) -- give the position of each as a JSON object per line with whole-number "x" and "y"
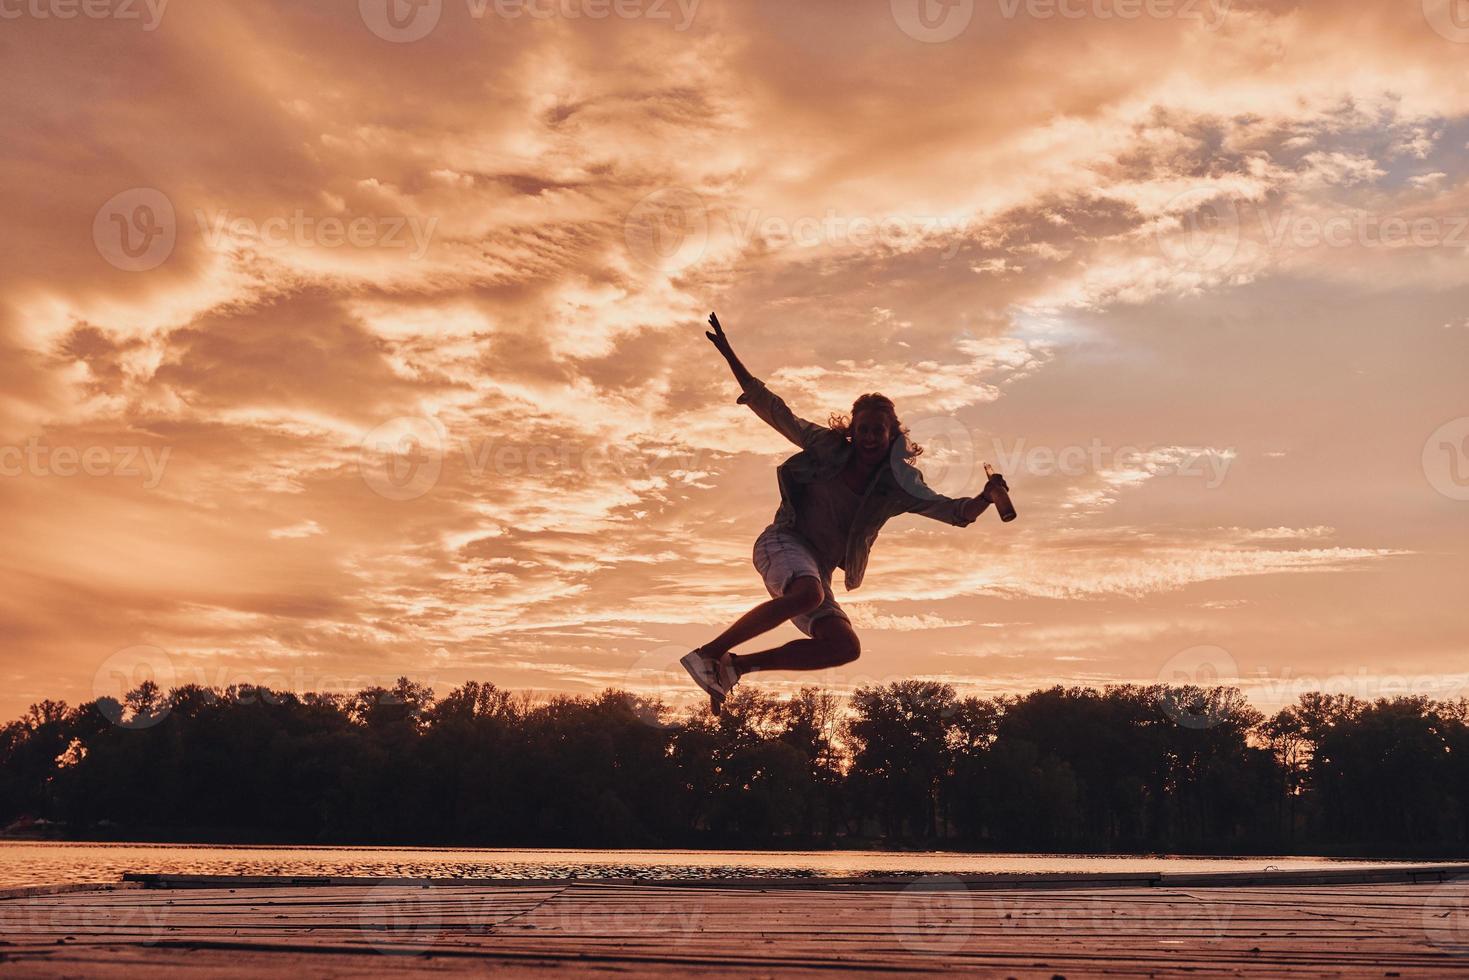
{"x": 895, "y": 489}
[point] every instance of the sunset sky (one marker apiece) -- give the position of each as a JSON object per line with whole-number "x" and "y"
{"x": 1212, "y": 257}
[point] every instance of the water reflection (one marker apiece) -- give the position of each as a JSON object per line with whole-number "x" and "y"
{"x": 50, "y": 862}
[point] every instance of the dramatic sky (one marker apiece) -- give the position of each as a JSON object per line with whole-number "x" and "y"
{"x": 339, "y": 342}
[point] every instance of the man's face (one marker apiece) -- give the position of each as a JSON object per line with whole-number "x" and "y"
{"x": 871, "y": 435}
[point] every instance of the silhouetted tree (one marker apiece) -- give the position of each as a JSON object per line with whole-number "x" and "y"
{"x": 1124, "y": 768}
{"x": 900, "y": 752}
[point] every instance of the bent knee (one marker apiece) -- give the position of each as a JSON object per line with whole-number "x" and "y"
{"x": 844, "y": 644}
{"x": 804, "y": 595}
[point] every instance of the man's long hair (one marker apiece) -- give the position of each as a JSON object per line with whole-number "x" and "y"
{"x": 842, "y": 424}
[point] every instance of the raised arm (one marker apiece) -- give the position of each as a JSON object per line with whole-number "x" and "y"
{"x": 721, "y": 343}
{"x": 762, "y": 401}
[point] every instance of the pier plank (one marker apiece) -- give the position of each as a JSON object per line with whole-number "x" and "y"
{"x": 398, "y": 927}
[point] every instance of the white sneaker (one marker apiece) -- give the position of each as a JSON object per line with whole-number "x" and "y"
{"x": 724, "y": 672}
{"x": 704, "y": 672}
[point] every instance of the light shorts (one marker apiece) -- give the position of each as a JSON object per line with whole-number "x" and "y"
{"x": 782, "y": 556}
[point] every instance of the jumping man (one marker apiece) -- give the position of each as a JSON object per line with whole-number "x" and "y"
{"x": 850, "y": 477}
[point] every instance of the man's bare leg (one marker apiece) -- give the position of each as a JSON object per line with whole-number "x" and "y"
{"x": 833, "y": 643}
{"x": 801, "y": 596}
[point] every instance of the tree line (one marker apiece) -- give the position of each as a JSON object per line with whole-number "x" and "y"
{"x": 1125, "y": 769}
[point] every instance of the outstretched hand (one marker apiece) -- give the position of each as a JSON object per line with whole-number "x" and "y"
{"x": 717, "y": 337}
{"x": 721, "y": 343}
{"x": 980, "y": 502}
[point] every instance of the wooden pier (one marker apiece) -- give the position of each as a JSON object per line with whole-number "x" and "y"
{"x": 1376, "y": 923}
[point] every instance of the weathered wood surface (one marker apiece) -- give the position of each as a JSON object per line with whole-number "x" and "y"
{"x": 933, "y": 925}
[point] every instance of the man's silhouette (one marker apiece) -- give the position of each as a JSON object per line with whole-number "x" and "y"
{"x": 850, "y": 477}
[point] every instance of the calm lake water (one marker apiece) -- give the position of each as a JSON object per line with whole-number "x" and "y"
{"x": 50, "y": 862}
